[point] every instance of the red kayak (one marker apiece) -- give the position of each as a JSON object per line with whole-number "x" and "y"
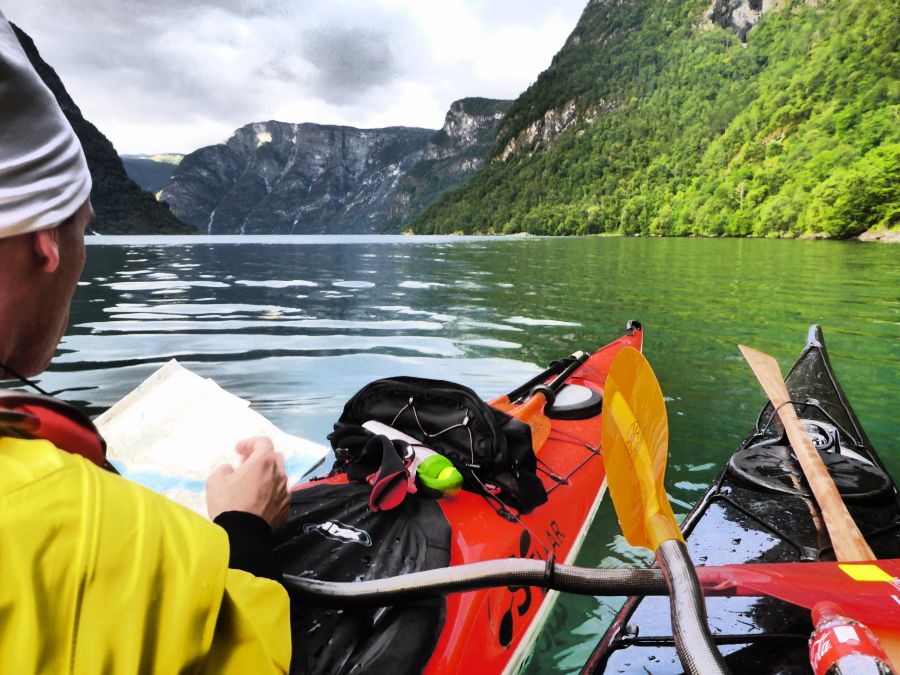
{"x": 485, "y": 631}
{"x": 492, "y": 631}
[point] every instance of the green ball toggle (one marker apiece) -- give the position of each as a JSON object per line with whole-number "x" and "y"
{"x": 436, "y": 472}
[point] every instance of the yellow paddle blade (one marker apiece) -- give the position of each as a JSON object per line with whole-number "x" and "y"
{"x": 635, "y": 442}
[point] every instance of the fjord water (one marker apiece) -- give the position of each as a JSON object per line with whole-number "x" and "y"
{"x": 298, "y": 324}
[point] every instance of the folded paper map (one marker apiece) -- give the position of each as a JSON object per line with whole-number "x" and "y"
{"x": 176, "y": 427}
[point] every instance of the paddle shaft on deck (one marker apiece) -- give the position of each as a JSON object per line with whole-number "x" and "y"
{"x": 531, "y": 411}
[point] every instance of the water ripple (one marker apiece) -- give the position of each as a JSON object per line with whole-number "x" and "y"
{"x": 159, "y": 325}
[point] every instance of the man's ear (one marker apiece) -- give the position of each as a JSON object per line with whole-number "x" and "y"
{"x": 46, "y": 249}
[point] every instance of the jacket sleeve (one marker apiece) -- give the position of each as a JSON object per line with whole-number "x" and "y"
{"x": 251, "y": 544}
{"x": 253, "y": 627}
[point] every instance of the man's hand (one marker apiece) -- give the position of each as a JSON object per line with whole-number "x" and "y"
{"x": 257, "y": 486}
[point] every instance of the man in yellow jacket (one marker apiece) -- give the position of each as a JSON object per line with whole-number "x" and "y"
{"x": 98, "y": 574}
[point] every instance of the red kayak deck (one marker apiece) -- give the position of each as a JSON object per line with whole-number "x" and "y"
{"x": 492, "y": 631}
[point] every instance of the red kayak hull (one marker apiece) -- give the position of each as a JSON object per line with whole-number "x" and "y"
{"x": 493, "y": 631}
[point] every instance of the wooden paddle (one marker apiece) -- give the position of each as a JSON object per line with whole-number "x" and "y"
{"x": 531, "y": 411}
{"x": 846, "y": 539}
{"x": 635, "y": 442}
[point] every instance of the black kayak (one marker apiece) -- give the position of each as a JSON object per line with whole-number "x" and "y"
{"x": 760, "y": 510}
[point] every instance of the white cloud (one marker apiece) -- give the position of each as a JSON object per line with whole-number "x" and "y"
{"x": 174, "y": 76}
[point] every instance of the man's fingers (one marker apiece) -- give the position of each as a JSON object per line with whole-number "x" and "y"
{"x": 258, "y": 485}
{"x": 246, "y": 448}
{"x": 249, "y": 447}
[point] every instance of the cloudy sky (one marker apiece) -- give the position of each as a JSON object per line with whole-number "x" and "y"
{"x": 175, "y": 75}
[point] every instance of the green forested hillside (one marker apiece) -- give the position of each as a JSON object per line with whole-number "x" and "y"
{"x": 796, "y": 132}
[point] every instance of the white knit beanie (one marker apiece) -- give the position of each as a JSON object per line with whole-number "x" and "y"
{"x": 44, "y": 176}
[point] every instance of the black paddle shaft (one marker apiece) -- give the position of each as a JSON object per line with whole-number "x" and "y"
{"x": 693, "y": 640}
{"x": 485, "y": 574}
{"x": 554, "y": 368}
{"x": 549, "y": 390}
{"x": 560, "y": 380}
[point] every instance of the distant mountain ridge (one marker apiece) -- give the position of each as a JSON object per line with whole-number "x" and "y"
{"x": 121, "y": 207}
{"x": 283, "y": 178}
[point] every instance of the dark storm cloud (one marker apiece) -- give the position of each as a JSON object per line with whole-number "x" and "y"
{"x": 348, "y": 61}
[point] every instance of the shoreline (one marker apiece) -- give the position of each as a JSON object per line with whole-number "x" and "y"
{"x": 889, "y": 236}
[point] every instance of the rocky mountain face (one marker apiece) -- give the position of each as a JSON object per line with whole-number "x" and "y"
{"x": 453, "y": 153}
{"x": 738, "y": 15}
{"x": 151, "y": 172}
{"x": 280, "y": 178}
{"x": 121, "y": 206}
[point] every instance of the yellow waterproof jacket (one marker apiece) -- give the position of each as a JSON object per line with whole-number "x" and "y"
{"x": 98, "y": 574}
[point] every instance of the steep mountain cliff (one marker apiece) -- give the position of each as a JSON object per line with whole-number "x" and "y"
{"x": 121, "y": 206}
{"x": 453, "y": 153}
{"x": 151, "y": 172}
{"x": 691, "y": 117}
{"x": 280, "y": 178}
